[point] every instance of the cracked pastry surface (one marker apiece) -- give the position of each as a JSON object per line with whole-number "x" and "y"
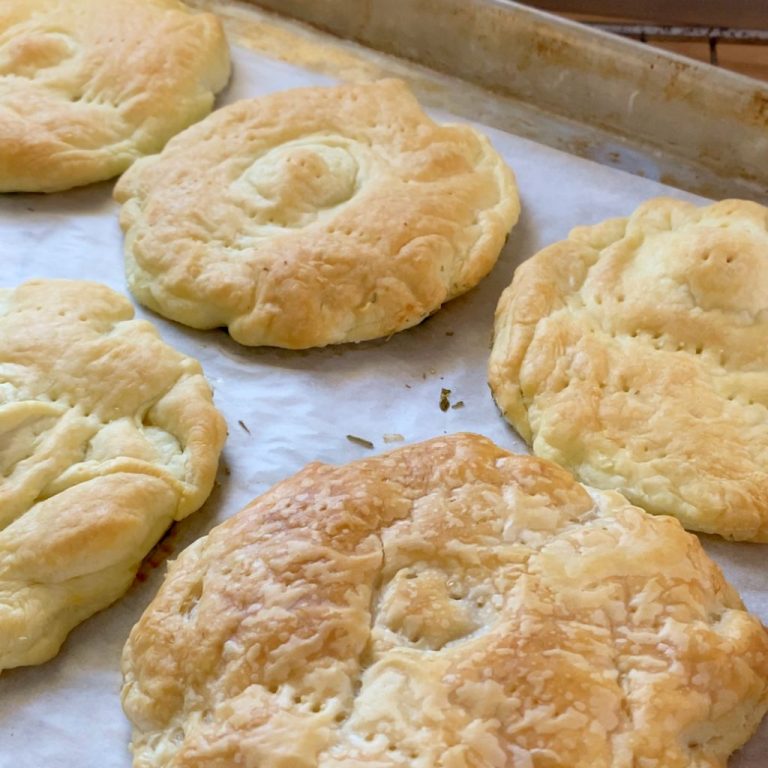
{"x": 445, "y": 605}
{"x": 107, "y": 435}
{"x": 315, "y": 216}
{"x": 87, "y": 86}
{"x": 634, "y": 354}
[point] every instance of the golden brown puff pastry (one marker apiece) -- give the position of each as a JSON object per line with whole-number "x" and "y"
{"x": 107, "y": 435}
{"x": 315, "y": 216}
{"x": 87, "y": 86}
{"x": 634, "y": 353}
{"x": 448, "y": 604}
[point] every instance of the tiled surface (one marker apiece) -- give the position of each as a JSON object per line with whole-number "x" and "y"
{"x": 750, "y": 60}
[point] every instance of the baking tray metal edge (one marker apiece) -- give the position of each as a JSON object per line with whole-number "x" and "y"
{"x": 612, "y": 100}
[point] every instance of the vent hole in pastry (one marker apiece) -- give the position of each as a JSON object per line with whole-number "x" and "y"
{"x": 273, "y": 688}
{"x": 699, "y": 349}
{"x": 456, "y": 590}
{"x": 316, "y": 707}
{"x": 146, "y": 421}
{"x": 190, "y": 602}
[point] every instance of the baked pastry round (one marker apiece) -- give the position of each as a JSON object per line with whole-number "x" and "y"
{"x": 107, "y": 435}
{"x": 634, "y": 354}
{"x": 315, "y": 216}
{"x": 448, "y": 604}
{"x": 87, "y": 86}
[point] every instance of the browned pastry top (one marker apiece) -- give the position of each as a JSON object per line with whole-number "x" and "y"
{"x": 448, "y": 604}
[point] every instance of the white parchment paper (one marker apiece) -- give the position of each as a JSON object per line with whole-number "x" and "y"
{"x": 285, "y": 409}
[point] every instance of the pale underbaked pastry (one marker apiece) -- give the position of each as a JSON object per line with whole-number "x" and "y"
{"x": 107, "y": 435}
{"x": 87, "y": 86}
{"x": 448, "y": 604}
{"x": 634, "y": 353}
{"x": 315, "y": 216}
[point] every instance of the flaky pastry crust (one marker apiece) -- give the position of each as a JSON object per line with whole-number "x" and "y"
{"x": 107, "y": 435}
{"x": 634, "y": 354}
{"x": 448, "y": 604}
{"x": 87, "y": 86}
{"x": 315, "y": 216}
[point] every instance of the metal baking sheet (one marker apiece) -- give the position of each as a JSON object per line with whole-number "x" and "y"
{"x": 612, "y": 100}
{"x": 285, "y": 409}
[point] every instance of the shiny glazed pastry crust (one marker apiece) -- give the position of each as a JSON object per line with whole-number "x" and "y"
{"x": 634, "y": 353}
{"x": 315, "y": 216}
{"x": 448, "y": 604}
{"x": 87, "y": 86}
{"x": 107, "y": 435}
